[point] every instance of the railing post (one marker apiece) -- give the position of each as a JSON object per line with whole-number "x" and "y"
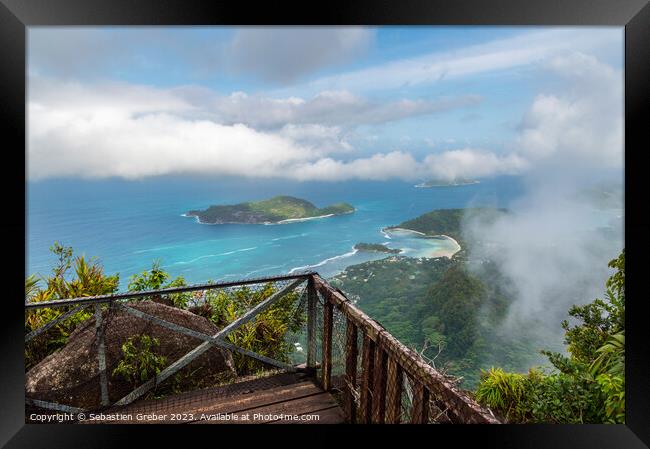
{"x": 101, "y": 354}
{"x": 379, "y": 386}
{"x": 328, "y": 315}
{"x": 420, "y": 414}
{"x": 350, "y": 371}
{"x": 312, "y": 298}
{"x": 394, "y": 396}
{"x": 368, "y": 358}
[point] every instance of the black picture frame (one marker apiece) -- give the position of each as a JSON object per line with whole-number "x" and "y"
{"x": 634, "y": 15}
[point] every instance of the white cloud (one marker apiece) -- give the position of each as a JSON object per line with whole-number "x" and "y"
{"x": 396, "y": 164}
{"x": 473, "y": 163}
{"x": 324, "y": 139}
{"x": 155, "y": 144}
{"x": 118, "y": 129}
{"x": 131, "y": 131}
{"x": 327, "y": 108}
{"x": 583, "y": 127}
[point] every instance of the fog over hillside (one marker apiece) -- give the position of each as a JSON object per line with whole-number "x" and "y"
{"x": 554, "y": 246}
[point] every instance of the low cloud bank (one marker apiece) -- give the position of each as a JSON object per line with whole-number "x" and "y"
{"x": 133, "y": 131}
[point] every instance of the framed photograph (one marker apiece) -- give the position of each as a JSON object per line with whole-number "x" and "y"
{"x": 372, "y": 218}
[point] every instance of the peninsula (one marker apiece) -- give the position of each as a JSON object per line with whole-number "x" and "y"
{"x": 276, "y": 210}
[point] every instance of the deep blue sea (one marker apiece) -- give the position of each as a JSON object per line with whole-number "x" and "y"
{"x": 129, "y": 224}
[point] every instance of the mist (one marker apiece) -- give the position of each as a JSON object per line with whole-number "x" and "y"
{"x": 554, "y": 244}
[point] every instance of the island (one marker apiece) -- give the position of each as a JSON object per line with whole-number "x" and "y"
{"x": 376, "y": 248}
{"x": 448, "y": 222}
{"x": 447, "y": 182}
{"x": 276, "y": 210}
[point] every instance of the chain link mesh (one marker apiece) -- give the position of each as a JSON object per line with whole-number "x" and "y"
{"x": 62, "y": 361}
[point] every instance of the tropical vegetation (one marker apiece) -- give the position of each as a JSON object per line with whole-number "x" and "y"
{"x": 588, "y": 385}
{"x": 265, "y": 335}
{"x": 376, "y": 247}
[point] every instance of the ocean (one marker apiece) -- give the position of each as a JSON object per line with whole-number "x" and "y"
{"x": 129, "y": 224}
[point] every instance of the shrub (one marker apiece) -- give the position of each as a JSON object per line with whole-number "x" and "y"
{"x": 155, "y": 279}
{"x": 264, "y": 335}
{"x": 139, "y": 361}
{"x": 88, "y": 279}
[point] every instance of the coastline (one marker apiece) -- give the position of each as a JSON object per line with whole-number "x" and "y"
{"x": 458, "y": 247}
{"x": 269, "y": 223}
{"x": 439, "y": 253}
{"x": 323, "y": 262}
{"x": 404, "y": 229}
{"x": 298, "y": 220}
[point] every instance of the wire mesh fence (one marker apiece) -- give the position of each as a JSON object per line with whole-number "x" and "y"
{"x": 383, "y": 380}
{"x": 95, "y": 354}
{"x": 193, "y": 343}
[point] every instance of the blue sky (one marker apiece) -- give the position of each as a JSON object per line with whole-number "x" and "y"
{"x": 322, "y": 103}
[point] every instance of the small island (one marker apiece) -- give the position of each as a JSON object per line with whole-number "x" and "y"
{"x": 376, "y": 248}
{"x": 276, "y": 210}
{"x": 447, "y": 182}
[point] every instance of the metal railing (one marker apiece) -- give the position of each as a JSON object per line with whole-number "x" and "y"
{"x": 378, "y": 379}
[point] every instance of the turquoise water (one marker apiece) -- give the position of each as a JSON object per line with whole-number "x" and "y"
{"x": 129, "y": 224}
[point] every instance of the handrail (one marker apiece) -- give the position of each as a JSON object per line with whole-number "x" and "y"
{"x": 99, "y": 299}
{"x": 380, "y": 345}
{"x": 208, "y": 341}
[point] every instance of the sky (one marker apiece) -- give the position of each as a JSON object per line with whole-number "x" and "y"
{"x": 323, "y": 103}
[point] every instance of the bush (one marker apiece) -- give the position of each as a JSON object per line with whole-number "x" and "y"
{"x": 155, "y": 279}
{"x": 266, "y": 334}
{"x": 139, "y": 362}
{"x": 88, "y": 280}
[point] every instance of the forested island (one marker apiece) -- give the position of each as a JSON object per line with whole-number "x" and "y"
{"x": 376, "y": 247}
{"x": 447, "y": 183}
{"x": 448, "y": 222}
{"x": 279, "y": 209}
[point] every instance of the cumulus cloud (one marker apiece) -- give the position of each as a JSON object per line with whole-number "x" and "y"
{"x": 131, "y": 147}
{"x": 327, "y": 108}
{"x": 584, "y": 126}
{"x": 473, "y": 163}
{"x": 395, "y": 164}
{"x": 133, "y": 131}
